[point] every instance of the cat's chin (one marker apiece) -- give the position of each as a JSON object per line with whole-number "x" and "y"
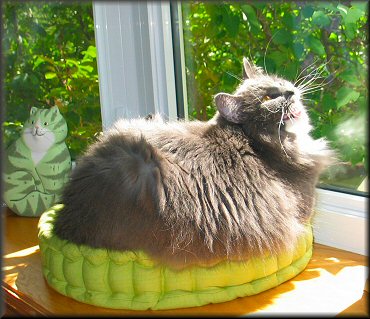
{"x": 298, "y": 125}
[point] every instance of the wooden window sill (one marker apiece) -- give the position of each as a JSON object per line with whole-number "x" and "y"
{"x": 332, "y": 284}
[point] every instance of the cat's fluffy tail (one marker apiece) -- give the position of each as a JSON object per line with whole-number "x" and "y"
{"x": 116, "y": 184}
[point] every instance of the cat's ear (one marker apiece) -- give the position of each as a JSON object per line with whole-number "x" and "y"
{"x": 230, "y": 107}
{"x": 249, "y": 69}
{"x": 33, "y": 110}
{"x": 54, "y": 109}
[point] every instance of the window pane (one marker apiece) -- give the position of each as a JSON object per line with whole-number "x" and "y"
{"x": 50, "y": 59}
{"x": 324, "y": 43}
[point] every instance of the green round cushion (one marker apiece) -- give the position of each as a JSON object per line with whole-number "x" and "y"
{"x": 132, "y": 280}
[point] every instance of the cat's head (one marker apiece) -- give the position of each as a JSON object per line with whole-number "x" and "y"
{"x": 264, "y": 103}
{"x": 42, "y": 123}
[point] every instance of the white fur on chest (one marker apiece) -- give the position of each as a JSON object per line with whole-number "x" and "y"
{"x": 306, "y": 144}
{"x": 39, "y": 140}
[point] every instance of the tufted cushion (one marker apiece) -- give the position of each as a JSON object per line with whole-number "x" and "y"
{"x": 131, "y": 280}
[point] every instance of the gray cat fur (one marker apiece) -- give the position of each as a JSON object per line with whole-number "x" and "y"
{"x": 192, "y": 192}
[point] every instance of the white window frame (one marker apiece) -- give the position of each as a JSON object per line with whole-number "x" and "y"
{"x": 135, "y": 62}
{"x": 341, "y": 221}
{"x": 135, "y": 65}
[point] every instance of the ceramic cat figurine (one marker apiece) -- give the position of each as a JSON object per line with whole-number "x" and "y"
{"x": 37, "y": 164}
{"x": 189, "y": 192}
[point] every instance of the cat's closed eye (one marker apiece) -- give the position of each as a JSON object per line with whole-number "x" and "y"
{"x": 275, "y": 95}
{"x": 266, "y": 98}
{"x": 270, "y": 96}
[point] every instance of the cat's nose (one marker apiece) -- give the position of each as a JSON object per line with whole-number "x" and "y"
{"x": 288, "y": 94}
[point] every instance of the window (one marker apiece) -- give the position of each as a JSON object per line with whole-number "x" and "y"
{"x": 321, "y": 43}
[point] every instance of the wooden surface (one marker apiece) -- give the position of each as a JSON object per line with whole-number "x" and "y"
{"x": 332, "y": 284}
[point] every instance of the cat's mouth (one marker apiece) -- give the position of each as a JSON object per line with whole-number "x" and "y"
{"x": 292, "y": 113}
{"x": 37, "y": 132}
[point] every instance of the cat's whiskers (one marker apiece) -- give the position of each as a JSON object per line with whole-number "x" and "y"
{"x": 303, "y": 70}
{"x": 316, "y": 87}
{"x": 305, "y": 99}
{"x": 271, "y": 111}
{"x": 312, "y": 90}
{"x": 289, "y": 114}
{"x": 313, "y": 76}
{"x": 279, "y": 129}
{"x": 314, "y": 72}
{"x": 264, "y": 57}
{"x": 291, "y": 119}
{"x": 312, "y": 82}
{"x": 321, "y": 84}
{"x": 311, "y": 85}
{"x": 234, "y": 76}
{"x": 302, "y": 80}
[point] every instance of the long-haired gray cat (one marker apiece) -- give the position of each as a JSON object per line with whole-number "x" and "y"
{"x": 240, "y": 185}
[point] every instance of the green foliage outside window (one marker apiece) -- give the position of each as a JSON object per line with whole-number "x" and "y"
{"x": 50, "y": 59}
{"x": 285, "y": 38}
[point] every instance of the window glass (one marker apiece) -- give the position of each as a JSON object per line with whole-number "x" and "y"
{"x": 323, "y": 43}
{"x": 50, "y": 59}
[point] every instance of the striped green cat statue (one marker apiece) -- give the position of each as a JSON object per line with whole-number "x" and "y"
{"x": 37, "y": 164}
